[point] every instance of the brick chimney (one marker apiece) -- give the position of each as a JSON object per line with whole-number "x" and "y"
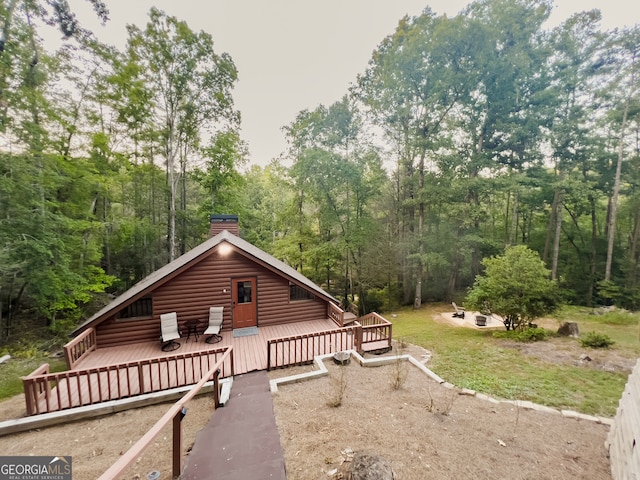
{"x": 223, "y": 222}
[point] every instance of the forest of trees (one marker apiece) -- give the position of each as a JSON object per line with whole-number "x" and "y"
{"x": 464, "y": 135}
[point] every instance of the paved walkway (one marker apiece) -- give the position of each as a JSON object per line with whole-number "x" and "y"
{"x": 241, "y": 440}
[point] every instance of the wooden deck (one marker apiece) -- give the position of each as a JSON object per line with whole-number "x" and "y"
{"x": 249, "y": 352}
{"x": 102, "y": 374}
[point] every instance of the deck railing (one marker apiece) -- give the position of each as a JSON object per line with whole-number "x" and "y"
{"x": 375, "y": 329}
{"x": 175, "y": 414}
{"x": 80, "y": 347}
{"x": 371, "y": 331}
{"x": 37, "y": 391}
{"x": 336, "y": 314}
{"x": 75, "y": 388}
{"x": 301, "y": 349}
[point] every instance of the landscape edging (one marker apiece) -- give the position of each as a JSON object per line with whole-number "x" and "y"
{"x": 375, "y": 362}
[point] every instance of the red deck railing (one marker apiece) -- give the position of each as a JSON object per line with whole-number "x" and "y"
{"x": 301, "y": 349}
{"x": 175, "y": 415}
{"x": 49, "y": 392}
{"x": 336, "y": 314}
{"x": 78, "y": 348}
{"x": 376, "y": 330}
{"x": 372, "y": 331}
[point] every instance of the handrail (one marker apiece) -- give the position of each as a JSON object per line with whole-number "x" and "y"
{"x": 301, "y": 349}
{"x": 80, "y": 347}
{"x": 375, "y": 328}
{"x": 176, "y": 414}
{"x": 336, "y": 314}
{"x": 373, "y": 318}
{"x": 34, "y": 393}
{"x": 112, "y": 382}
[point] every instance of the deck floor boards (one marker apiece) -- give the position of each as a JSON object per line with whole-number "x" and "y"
{"x": 250, "y": 352}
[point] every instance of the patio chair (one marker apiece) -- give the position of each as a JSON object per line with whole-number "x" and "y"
{"x": 169, "y": 331}
{"x": 459, "y": 312}
{"x": 215, "y": 325}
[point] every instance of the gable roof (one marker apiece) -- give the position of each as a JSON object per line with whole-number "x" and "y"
{"x": 164, "y": 274}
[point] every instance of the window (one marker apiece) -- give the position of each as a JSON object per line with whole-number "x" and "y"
{"x": 244, "y": 292}
{"x": 140, "y": 308}
{"x": 298, "y": 293}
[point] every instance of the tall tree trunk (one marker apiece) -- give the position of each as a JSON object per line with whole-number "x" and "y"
{"x": 170, "y": 156}
{"x": 171, "y": 180}
{"x": 183, "y": 202}
{"x": 417, "y": 299}
{"x": 551, "y": 226}
{"x": 556, "y": 240}
{"x": 633, "y": 251}
{"x": 616, "y": 193}
{"x": 594, "y": 250}
{"x": 514, "y": 219}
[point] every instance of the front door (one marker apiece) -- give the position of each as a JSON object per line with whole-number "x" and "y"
{"x": 244, "y": 302}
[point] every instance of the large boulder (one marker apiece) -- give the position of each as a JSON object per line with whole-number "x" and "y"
{"x": 369, "y": 466}
{"x": 569, "y": 329}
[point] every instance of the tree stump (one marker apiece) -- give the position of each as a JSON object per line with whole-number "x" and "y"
{"x": 342, "y": 358}
{"x": 368, "y": 466}
{"x": 569, "y": 329}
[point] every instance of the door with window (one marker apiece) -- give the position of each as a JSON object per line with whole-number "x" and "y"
{"x": 245, "y": 312}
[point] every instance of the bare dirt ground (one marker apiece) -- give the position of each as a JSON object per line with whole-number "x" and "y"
{"x": 425, "y": 430}
{"x": 428, "y": 431}
{"x": 98, "y": 443}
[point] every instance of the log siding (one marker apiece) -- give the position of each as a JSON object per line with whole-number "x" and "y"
{"x": 207, "y": 283}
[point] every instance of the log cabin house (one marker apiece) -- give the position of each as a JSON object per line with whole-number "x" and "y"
{"x": 273, "y": 316}
{"x": 254, "y": 288}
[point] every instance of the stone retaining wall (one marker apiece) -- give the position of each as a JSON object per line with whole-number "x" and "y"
{"x": 624, "y": 435}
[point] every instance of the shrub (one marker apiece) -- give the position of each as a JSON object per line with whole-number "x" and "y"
{"x": 527, "y": 335}
{"x": 596, "y": 340}
{"x": 338, "y": 388}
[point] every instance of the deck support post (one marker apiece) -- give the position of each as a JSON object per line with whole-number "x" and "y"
{"x": 177, "y": 442}
{"x": 357, "y": 338}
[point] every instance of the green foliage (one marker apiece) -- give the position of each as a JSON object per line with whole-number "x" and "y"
{"x": 515, "y": 286}
{"x": 596, "y": 340}
{"x": 474, "y": 359}
{"x": 377, "y": 300}
{"x": 524, "y": 335}
{"x": 106, "y": 150}
{"x": 12, "y": 370}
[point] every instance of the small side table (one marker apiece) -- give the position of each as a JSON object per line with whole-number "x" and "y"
{"x": 192, "y": 328}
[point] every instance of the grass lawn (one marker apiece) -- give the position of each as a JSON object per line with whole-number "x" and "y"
{"x": 474, "y": 359}
{"x": 11, "y": 371}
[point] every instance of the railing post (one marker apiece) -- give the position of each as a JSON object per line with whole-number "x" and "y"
{"x": 141, "y": 378}
{"x": 216, "y": 388}
{"x": 268, "y": 355}
{"x": 357, "y": 340}
{"x": 177, "y": 442}
{"x": 29, "y": 394}
{"x": 68, "y": 357}
{"x": 233, "y": 368}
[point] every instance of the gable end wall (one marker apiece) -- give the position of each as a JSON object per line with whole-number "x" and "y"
{"x": 191, "y": 293}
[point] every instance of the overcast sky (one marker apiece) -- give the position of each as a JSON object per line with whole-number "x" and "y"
{"x": 296, "y": 54}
